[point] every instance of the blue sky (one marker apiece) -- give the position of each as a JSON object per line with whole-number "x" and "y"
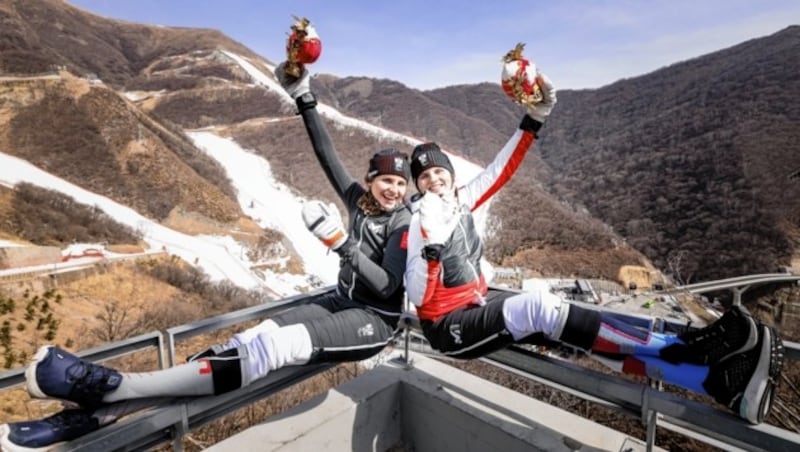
{"x": 429, "y": 44}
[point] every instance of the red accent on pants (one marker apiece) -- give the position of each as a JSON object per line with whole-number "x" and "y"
{"x": 205, "y": 367}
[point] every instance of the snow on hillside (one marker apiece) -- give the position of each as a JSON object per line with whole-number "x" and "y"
{"x": 222, "y": 258}
{"x": 210, "y": 253}
{"x": 268, "y": 202}
{"x": 465, "y": 170}
{"x": 271, "y": 204}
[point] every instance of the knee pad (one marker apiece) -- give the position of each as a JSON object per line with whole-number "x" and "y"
{"x": 226, "y": 370}
{"x": 581, "y": 326}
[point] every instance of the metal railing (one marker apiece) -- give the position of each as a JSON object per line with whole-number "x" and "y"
{"x": 262, "y": 311}
{"x": 168, "y": 420}
{"x": 655, "y": 408}
{"x": 101, "y": 353}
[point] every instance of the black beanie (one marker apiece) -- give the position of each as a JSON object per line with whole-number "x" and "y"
{"x": 429, "y": 155}
{"x": 388, "y": 161}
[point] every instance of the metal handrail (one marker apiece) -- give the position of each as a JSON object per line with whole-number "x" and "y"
{"x": 636, "y": 400}
{"x": 170, "y": 421}
{"x": 103, "y": 352}
{"x": 218, "y": 322}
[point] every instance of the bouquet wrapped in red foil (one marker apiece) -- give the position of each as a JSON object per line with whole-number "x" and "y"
{"x": 520, "y": 79}
{"x": 303, "y": 47}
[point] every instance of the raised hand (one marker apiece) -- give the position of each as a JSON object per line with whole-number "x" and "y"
{"x": 294, "y": 86}
{"x": 542, "y": 110}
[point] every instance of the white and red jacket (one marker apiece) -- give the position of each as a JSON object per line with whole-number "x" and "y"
{"x": 455, "y": 280}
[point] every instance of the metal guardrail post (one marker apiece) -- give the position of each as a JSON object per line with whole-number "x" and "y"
{"x": 406, "y": 334}
{"x": 737, "y": 294}
{"x": 162, "y": 359}
{"x": 651, "y": 416}
{"x": 407, "y": 346}
{"x": 180, "y": 430}
{"x": 171, "y": 348}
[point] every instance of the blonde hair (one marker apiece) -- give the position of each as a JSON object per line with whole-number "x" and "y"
{"x": 369, "y": 205}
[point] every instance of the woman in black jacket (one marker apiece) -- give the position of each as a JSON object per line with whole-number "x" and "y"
{"x": 354, "y": 322}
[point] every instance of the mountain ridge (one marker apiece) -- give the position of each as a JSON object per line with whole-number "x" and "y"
{"x": 565, "y": 181}
{"x": 600, "y": 146}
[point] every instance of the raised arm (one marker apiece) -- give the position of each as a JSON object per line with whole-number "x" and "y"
{"x": 505, "y": 164}
{"x": 299, "y": 89}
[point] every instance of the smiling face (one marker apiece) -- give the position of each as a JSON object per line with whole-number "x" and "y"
{"x": 436, "y": 180}
{"x": 389, "y": 190}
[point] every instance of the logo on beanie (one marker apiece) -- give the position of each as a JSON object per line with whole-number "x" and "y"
{"x": 399, "y": 165}
{"x": 428, "y": 155}
{"x": 388, "y": 161}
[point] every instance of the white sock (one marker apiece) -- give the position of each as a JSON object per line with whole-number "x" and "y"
{"x": 286, "y": 346}
{"x": 190, "y": 379}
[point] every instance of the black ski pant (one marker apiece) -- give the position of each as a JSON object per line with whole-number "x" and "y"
{"x": 342, "y": 329}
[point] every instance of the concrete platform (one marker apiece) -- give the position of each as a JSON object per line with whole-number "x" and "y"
{"x": 428, "y": 407}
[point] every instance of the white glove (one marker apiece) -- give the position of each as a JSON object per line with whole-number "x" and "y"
{"x": 438, "y": 217}
{"x": 541, "y": 110}
{"x": 295, "y": 87}
{"x": 325, "y": 223}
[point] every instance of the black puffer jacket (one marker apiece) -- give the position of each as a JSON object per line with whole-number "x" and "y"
{"x": 372, "y": 271}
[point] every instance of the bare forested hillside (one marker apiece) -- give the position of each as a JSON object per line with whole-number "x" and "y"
{"x": 691, "y": 164}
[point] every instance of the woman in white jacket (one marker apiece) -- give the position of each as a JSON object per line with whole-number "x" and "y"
{"x": 735, "y": 360}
